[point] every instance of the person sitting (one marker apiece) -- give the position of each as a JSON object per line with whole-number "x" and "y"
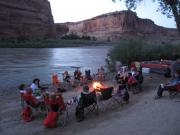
{"x": 66, "y": 77}
{"x": 131, "y": 80}
{"x": 77, "y": 75}
{"x": 121, "y": 77}
{"x": 169, "y": 86}
{"x": 82, "y": 103}
{"x": 118, "y": 77}
{"x": 22, "y": 88}
{"x": 35, "y": 86}
{"x": 101, "y": 74}
{"x": 132, "y": 83}
{"x": 85, "y": 91}
{"x": 55, "y": 80}
{"x": 55, "y": 101}
{"x": 88, "y": 75}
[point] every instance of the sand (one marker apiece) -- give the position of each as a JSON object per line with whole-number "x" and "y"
{"x": 142, "y": 116}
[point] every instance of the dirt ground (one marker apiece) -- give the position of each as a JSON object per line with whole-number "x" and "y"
{"x": 142, "y": 116}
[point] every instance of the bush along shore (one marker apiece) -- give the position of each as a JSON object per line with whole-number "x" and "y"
{"x": 48, "y": 43}
{"x": 129, "y": 50}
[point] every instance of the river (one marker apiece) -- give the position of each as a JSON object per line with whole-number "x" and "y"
{"x": 22, "y": 65}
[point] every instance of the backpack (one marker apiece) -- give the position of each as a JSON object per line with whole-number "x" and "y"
{"x": 26, "y": 114}
{"x": 51, "y": 120}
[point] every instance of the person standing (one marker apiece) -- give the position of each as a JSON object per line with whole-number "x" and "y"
{"x": 175, "y": 66}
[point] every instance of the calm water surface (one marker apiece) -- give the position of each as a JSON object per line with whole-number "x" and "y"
{"x": 22, "y": 65}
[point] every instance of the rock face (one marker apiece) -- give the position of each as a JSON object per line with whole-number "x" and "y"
{"x": 116, "y": 25}
{"x": 26, "y": 19}
{"x": 61, "y": 29}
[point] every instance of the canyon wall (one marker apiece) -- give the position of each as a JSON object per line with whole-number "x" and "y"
{"x": 114, "y": 26}
{"x": 26, "y": 19}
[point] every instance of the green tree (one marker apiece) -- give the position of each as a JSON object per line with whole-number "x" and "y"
{"x": 169, "y": 8}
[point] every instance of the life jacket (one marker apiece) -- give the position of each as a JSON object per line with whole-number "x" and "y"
{"x": 27, "y": 114}
{"x": 132, "y": 80}
{"x": 30, "y": 99}
{"x": 51, "y": 120}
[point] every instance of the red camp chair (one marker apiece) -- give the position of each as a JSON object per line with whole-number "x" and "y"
{"x": 33, "y": 103}
{"x": 56, "y": 104}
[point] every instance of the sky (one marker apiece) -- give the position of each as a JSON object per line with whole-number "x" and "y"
{"x": 78, "y": 10}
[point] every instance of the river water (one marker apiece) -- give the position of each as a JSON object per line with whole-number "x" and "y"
{"x": 22, "y": 65}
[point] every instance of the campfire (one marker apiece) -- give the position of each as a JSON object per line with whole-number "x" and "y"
{"x": 97, "y": 85}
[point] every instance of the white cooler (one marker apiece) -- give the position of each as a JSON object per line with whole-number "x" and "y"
{"x": 146, "y": 70}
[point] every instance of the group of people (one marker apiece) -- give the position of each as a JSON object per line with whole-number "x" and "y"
{"x": 130, "y": 79}
{"x": 37, "y": 97}
{"x": 124, "y": 78}
{"x": 78, "y": 77}
{"x": 135, "y": 77}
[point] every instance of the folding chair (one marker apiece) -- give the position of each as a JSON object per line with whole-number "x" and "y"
{"x": 173, "y": 91}
{"x": 33, "y": 103}
{"x": 107, "y": 94}
{"x": 22, "y": 99}
{"x": 88, "y": 103}
{"x": 56, "y": 104}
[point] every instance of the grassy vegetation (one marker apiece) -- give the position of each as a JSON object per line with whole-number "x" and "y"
{"x": 47, "y": 43}
{"x": 129, "y": 50}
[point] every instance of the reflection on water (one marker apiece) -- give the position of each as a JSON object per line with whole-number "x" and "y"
{"x": 22, "y": 65}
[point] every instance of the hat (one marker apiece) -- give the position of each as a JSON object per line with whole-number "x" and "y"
{"x": 86, "y": 88}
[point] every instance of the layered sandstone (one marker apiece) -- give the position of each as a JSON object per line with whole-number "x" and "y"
{"x": 26, "y": 19}
{"x": 116, "y": 25}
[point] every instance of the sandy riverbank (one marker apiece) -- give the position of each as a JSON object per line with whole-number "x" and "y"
{"x": 142, "y": 116}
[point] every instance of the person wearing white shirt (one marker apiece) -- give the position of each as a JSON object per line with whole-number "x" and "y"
{"x": 35, "y": 85}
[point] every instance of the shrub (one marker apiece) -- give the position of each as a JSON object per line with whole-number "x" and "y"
{"x": 129, "y": 50}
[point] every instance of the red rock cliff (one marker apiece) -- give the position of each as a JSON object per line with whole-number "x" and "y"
{"x": 26, "y": 19}
{"x": 114, "y": 26}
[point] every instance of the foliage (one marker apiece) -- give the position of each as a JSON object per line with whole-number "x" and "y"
{"x": 71, "y": 36}
{"x": 74, "y": 36}
{"x": 166, "y": 7}
{"x": 47, "y": 43}
{"x": 129, "y": 50}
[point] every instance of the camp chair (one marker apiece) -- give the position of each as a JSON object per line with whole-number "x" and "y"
{"x": 107, "y": 94}
{"x": 87, "y": 103}
{"x": 174, "y": 90}
{"x": 22, "y": 99}
{"x": 56, "y": 104}
{"x": 90, "y": 101}
{"x": 33, "y": 103}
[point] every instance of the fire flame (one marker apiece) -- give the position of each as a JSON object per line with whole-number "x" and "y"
{"x": 97, "y": 85}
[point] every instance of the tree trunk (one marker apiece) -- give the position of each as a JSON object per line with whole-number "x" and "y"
{"x": 176, "y": 16}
